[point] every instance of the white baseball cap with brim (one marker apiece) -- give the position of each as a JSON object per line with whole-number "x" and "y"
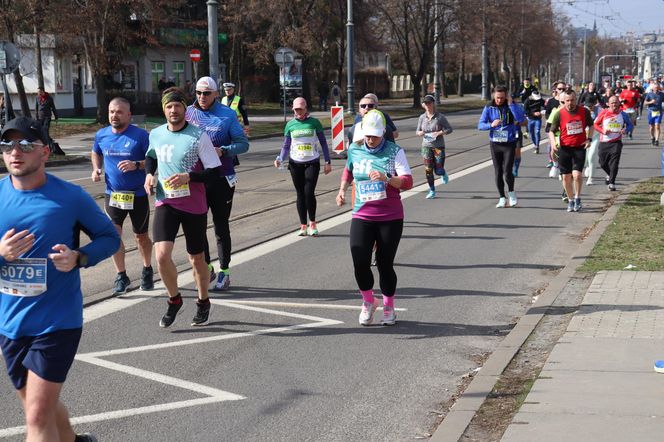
{"x": 535, "y": 96}
{"x": 206, "y": 84}
{"x": 373, "y": 124}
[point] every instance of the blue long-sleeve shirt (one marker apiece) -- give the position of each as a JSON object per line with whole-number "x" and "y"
{"x": 510, "y": 116}
{"x": 35, "y": 297}
{"x": 220, "y": 123}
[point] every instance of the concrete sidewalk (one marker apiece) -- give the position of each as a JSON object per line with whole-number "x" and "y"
{"x": 598, "y": 383}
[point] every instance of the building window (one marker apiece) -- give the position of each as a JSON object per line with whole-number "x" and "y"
{"x": 128, "y": 76}
{"x": 178, "y": 73}
{"x": 88, "y": 78}
{"x": 157, "y": 73}
{"x": 62, "y": 75}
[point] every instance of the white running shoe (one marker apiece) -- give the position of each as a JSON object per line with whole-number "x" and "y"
{"x": 589, "y": 181}
{"x": 512, "y": 197}
{"x": 367, "y": 313}
{"x": 389, "y": 316}
{"x": 553, "y": 172}
{"x": 586, "y": 171}
{"x": 501, "y": 202}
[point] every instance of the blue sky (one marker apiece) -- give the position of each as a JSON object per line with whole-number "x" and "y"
{"x": 615, "y": 17}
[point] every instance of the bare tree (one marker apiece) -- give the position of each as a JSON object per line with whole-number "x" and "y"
{"x": 411, "y": 26}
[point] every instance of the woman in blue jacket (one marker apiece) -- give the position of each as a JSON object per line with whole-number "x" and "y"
{"x": 502, "y": 122}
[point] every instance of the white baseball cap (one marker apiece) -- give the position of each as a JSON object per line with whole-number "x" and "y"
{"x": 206, "y": 83}
{"x": 373, "y": 123}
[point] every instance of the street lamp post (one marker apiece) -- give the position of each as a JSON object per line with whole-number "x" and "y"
{"x": 349, "y": 59}
{"x": 213, "y": 39}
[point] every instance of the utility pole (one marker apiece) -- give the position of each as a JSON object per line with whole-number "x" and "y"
{"x": 213, "y": 39}
{"x": 436, "y": 55}
{"x": 350, "y": 88}
{"x": 583, "y": 76}
{"x": 485, "y": 56}
{"x": 569, "y": 57}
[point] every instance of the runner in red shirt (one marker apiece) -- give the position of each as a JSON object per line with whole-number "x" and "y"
{"x": 629, "y": 98}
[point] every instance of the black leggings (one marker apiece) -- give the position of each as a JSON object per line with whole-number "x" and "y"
{"x": 386, "y": 235}
{"x": 220, "y": 199}
{"x": 305, "y": 177}
{"x": 609, "y": 158}
{"x": 502, "y": 155}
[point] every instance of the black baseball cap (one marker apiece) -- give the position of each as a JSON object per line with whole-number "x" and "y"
{"x": 28, "y": 127}
{"x": 429, "y": 99}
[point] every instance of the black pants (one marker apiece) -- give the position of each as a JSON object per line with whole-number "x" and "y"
{"x": 305, "y": 178}
{"x": 46, "y": 127}
{"x": 609, "y": 158}
{"x": 386, "y": 235}
{"x": 220, "y": 199}
{"x": 502, "y": 155}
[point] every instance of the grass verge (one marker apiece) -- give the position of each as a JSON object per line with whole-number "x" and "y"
{"x": 636, "y": 235}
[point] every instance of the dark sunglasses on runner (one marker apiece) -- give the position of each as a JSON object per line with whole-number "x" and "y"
{"x": 367, "y": 106}
{"x": 24, "y": 145}
{"x": 204, "y": 93}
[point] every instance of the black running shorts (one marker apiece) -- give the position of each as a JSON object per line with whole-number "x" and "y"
{"x": 571, "y": 158}
{"x": 167, "y": 221}
{"x": 139, "y": 215}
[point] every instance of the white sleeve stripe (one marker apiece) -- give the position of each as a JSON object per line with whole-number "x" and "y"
{"x": 401, "y": 163}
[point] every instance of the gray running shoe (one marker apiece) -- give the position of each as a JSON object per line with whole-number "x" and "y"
{"x": 147, "y": 278}
{"x": 121, "y": 285}
{"x": 87, "y": 437}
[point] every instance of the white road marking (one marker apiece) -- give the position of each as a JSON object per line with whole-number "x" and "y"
{"x": 307, "y": 305}
{"x": 315, "y": 322}
{"x": 214, "y": 395}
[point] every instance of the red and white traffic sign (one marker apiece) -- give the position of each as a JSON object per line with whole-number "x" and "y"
{"x": 195, "y": 55}
{"x": 337, "y": 113}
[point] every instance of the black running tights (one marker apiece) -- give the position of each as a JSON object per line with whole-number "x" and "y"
{"x": 502, "y": 155}
{"x": 386, "y": 235}
{"x": 305, "y": 177}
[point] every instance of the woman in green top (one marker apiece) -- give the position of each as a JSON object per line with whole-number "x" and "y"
{"x": 303, "y": 140}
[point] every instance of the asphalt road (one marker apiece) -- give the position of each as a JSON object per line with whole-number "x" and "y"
{"x": 283, "y": 357}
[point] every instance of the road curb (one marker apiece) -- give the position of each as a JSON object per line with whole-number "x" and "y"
{"x": 464, "y": 409}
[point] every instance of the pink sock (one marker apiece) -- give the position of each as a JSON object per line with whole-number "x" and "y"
{"x": 367, "y": 296}
{"x": 388, "y": 301}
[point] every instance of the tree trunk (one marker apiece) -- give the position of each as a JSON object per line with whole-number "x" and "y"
{"x": 20, "y": 90}
{"x": 38, "y": 54}
{"x": 102, "y": 105}
{"x": 462, "y": 67}
{"x": 417, "y": 91}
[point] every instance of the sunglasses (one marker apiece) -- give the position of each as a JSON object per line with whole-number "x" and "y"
{"x": 560, "y": 89}
{"x": 24, "y": 145}
{"x": 367, "y": 106}
{"x": 203, "y": 93}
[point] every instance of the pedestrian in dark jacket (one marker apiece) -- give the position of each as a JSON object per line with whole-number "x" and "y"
{"x": 44, "y": 108}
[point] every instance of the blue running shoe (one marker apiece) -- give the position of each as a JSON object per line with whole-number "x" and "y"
{"x": 431, "y": 195}
{"x": 659, "y": 366}
{"x": 577, "y": 204}
{"x": 444, "y": 178}
{"x": 223, "y": 282}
